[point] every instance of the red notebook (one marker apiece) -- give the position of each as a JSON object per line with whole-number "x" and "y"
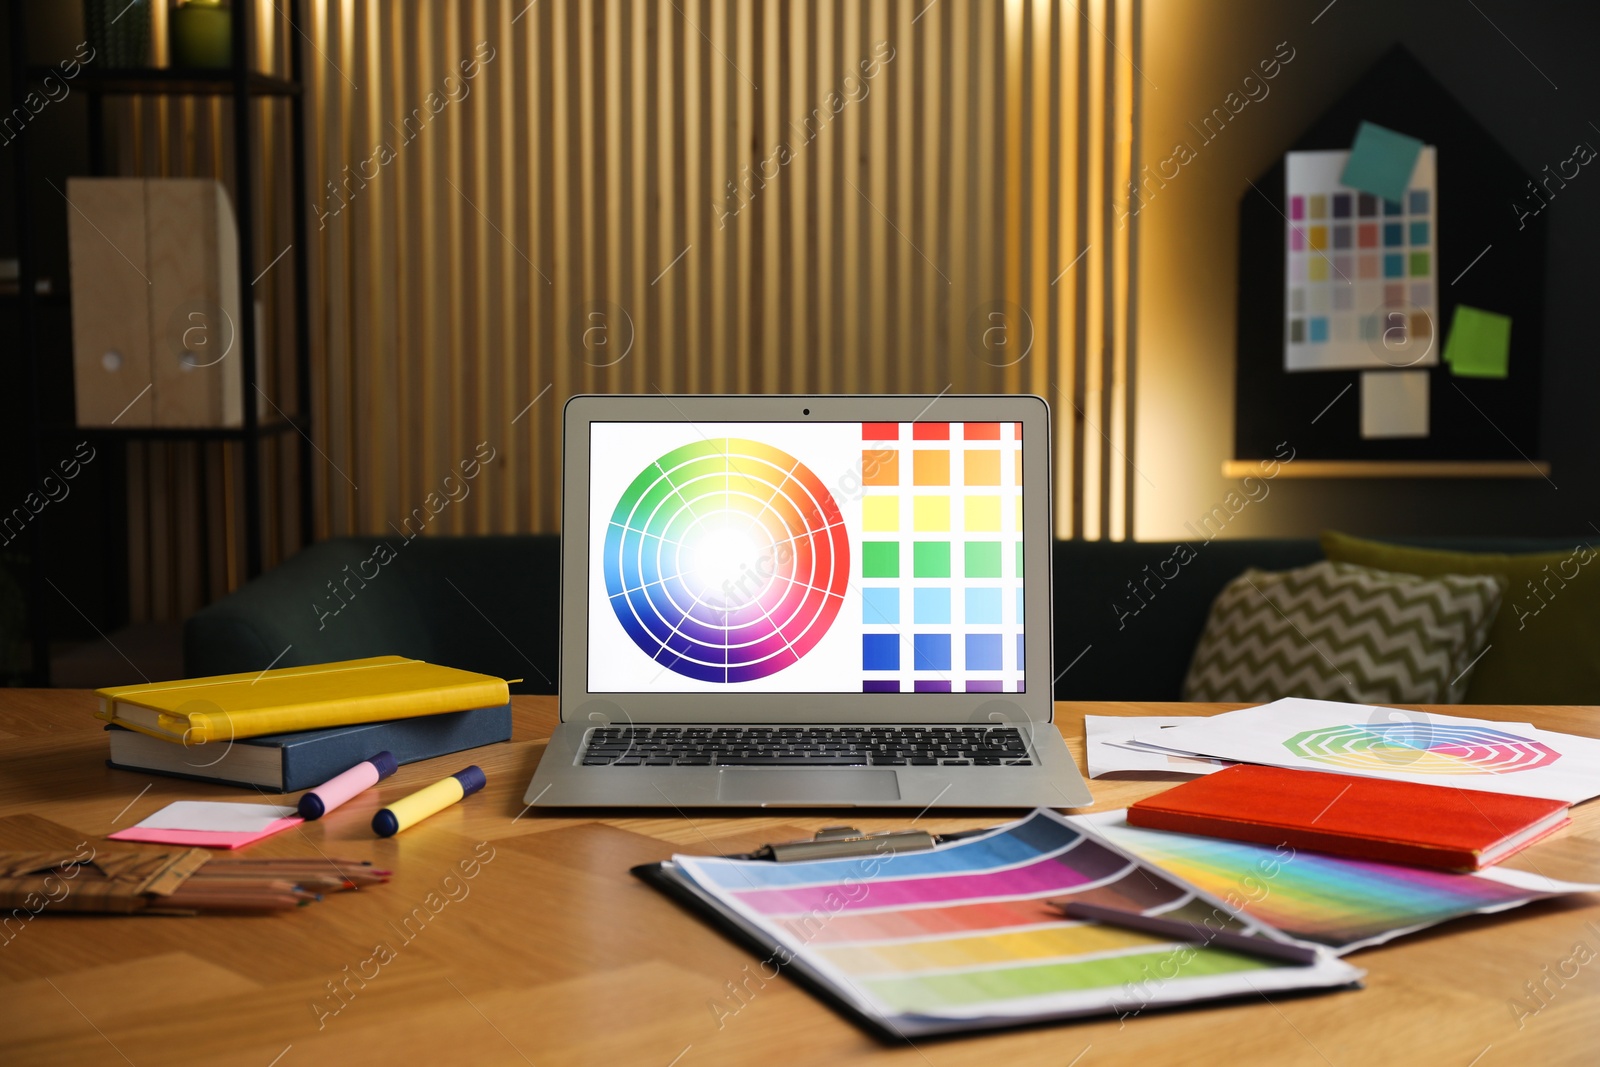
{"x": 1396, "y": 822}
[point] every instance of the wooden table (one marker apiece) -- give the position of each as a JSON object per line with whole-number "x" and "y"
{"x": 553, "y": 954}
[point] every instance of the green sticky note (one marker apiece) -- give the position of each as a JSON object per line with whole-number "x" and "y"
{"x": 1381, "y": 162}
{"x": 1479, "y": 344}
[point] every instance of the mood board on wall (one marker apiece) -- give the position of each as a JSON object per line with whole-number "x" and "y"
{"x": 1390, "y": 295}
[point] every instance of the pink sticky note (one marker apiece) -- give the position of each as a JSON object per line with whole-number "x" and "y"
{"x": 203, "y": 838}
{"x": 210, "y": 824}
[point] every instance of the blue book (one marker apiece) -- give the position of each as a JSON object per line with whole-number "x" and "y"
{"x": 288, "y": 763}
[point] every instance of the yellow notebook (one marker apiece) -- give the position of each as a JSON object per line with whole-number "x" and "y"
{"x": 200, "y": 710}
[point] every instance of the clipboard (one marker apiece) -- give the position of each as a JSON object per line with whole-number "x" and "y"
{"x": 669, "y": 879}
{"x": 991, "y": 900}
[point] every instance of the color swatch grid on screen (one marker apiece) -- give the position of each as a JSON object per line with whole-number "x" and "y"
{"x": 1360, "y": 272}
{"x": 1334, "y": 900}
{"x": 1422, "y": 748}
{"x": 726, "y": 560}
{"x": 965, "y": 930}
{"x": 941, "y": 557}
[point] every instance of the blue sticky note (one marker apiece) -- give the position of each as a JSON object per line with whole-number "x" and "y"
{"x": 1381, "y": 162}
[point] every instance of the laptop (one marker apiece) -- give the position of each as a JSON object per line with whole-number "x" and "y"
{"x": 806, "y": 601}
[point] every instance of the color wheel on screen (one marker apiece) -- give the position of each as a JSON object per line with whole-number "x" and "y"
{"x": 726, "y": 560}
{"x": 1422, "y": 748}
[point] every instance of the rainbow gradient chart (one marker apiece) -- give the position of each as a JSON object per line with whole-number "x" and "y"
{"x": 1338, "y": 901}
{"x": 726, "y": 560}
{"x": 1421, "y": 748}
{"x": 963, "y": 935}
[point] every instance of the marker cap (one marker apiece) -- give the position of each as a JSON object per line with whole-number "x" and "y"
{"x": 386, "y": 764}
{"x": 384, "y": 824}
{"x": 472, "y": 779}
{"x": 311, "y": 807}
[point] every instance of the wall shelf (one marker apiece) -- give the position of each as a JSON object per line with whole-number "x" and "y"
{"x": 1390, "y": 468}
{"x": 172, "y": 81}
{"x": 178, "y": 433}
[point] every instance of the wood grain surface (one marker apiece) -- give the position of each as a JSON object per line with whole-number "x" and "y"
{"x": 512, "y": 937}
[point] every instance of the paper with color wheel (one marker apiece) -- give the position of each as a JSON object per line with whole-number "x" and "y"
{"x": 1405, "y": 746}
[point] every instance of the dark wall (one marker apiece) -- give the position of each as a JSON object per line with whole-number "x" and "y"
{"x": 75, "y": 536}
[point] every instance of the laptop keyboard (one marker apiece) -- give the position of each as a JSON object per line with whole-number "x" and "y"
{"x": 806, "y": 746}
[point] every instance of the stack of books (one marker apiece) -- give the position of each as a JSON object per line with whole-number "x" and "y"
{"x": 296, "y": 727}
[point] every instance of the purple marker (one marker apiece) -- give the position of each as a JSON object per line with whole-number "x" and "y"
{"x": 340, "y": 788}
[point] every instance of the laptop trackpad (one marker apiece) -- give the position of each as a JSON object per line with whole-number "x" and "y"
{"x": 798, "y": 785}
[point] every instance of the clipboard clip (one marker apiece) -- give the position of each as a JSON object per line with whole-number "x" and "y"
{"x": 842, "y": 842}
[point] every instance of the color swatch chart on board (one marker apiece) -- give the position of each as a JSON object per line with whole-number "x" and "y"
{"x": 1337, "y": 901}
{"x": 964, "y": 932}
{"x": 1361, "y": 277}
{"x": 941, "y": 557}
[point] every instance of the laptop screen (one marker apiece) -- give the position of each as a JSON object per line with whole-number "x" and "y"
{"x": 805, "y": 557}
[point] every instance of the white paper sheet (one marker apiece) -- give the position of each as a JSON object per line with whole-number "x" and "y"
{"x": 1394, "y": 403}
{"x": 216, "y": 816}
{"x": 1107, "y": 750}
{"x": 1403, "y": 746}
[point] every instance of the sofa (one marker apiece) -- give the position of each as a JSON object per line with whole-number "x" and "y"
{"x": 1127, "y": 614}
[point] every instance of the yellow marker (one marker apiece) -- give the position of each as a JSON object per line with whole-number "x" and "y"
{"x": 427, "y": 801}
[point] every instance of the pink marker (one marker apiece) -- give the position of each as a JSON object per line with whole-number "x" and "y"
{"x": 340, "y": 788}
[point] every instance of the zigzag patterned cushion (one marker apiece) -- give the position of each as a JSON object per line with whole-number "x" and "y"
{"x": 1336, "y": 631}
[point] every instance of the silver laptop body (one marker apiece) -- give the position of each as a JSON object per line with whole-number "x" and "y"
{"x": 806, "y": 601}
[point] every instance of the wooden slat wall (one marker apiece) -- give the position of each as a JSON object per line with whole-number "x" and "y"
{"x": 644, "y": 173}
